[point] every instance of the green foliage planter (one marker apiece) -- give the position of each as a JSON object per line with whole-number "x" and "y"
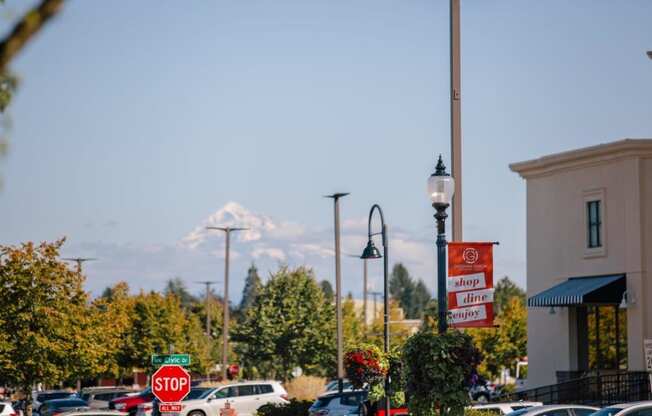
{"x": 294, "y": 408}
{"x": 436, "y": 369}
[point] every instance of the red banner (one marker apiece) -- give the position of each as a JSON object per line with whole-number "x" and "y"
{"x": 470, "y": 285}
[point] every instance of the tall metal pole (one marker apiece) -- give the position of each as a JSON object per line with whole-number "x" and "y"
{"x": 225, "y": 330}
{"x": 208, "y": 284}
{"x": 225, "y": 339}
{"x": 456, "y": 119}
{"x": 442, "y": 297}
{"x": 386, "y": 309}
{"x": 364, "y": 292}
{"x": 79, "y": 261}
{"x": 370, "y": 252}
{"x": 208, "y": 310}
{"x": 338, "y": 291}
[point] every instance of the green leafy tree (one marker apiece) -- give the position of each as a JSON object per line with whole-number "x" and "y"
{"x": 353, "y": 327}
{"x": 251, "y": 288}
{"x": 289, "y": 325}
{"x": 116, "y": 307}
{"x": 41, "y": 306}
{"x": 504, "y": 291}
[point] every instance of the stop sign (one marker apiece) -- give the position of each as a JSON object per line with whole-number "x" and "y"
{"x": 170, "y": 383}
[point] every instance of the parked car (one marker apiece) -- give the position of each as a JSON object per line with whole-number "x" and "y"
{"x": 6, "y": 409}
{"x": 333, "y": 385}
{"x": 627, "y": 409}
{"x": 338, "y": 404}
{"x": 244, "y": 397}
{"x": 502, "y": 409}
{"x": 40, "y": 397}
{"x": 129, "y": 404}
{"x": 93, "y": 412}
{"x": 145, "y": 409}
{"x": 556, "y": 410}
{"x": 58, "y": 406}
{"x": 99, "y": 398}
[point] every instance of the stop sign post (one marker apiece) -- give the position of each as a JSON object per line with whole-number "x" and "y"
{"x": 170, "y": 383}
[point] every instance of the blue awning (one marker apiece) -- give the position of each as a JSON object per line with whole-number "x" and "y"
{"x": 590, "y": 290}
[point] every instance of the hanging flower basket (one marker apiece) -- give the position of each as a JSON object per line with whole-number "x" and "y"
{"x": 365, "y": 366}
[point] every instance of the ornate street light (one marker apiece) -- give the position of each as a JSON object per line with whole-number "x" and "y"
{"x": 441, "y": 187}
{"x": 371, "y": 252}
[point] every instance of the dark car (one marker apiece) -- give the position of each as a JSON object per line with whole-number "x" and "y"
{"x": 56, "y": 406}
{"x": 129, "y": 404}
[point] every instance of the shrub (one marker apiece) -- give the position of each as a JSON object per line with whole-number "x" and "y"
{"x": 437, "y": 369}
{"x": 294, "y": 408}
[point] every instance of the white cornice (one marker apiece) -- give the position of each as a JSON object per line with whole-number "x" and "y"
{"x": 588, "y": 156}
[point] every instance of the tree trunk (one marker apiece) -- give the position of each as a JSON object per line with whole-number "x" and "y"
{"x": 27, "y": 391}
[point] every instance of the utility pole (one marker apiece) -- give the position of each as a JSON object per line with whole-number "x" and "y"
{"x": 79, "y": 261}
{"x": 375, "y": 295}
{"x": 338, "y": 290}
{"x": 364, "y": 288}
{"x": 208, "y": 284}
{"x": 225, "y": 331}
{"x": 456, "y": 118}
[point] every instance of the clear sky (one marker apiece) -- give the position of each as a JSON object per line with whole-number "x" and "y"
{"x": 137, "y": 121}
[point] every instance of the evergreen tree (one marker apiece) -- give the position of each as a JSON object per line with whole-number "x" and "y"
{"x": 327, "y": 288}
{"x": 177, "y": 287}
{"x": 421, "y": 300}
{"x": 251, "y": 288}
{"x": 401, "y": 288}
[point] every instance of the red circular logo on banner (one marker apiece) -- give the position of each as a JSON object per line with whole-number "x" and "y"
{"x": 470, "y": 255}
{"x": 170, "y": 383}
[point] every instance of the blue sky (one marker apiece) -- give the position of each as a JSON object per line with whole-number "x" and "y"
{"x": 137, "y": 121}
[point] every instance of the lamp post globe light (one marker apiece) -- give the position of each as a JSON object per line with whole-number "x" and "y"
{"x": 372, "y": 252}
{"x": 441, "y": 187}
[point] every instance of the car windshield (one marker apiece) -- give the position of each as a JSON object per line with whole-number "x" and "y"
{"x": 44, "y": 397}
{"x": 322, "y": 402}
{"x": 66, "y": 403}
{"x": 199, "y": 393}
{"x": 607, "y": 411}
{"x": 519, "y": 412}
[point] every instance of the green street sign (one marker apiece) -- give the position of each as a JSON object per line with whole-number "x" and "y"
{"x": 167, "y": 359}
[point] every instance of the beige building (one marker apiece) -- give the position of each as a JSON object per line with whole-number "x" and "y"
{"x": 589, "y": 260}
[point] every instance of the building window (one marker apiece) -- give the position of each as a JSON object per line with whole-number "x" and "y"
{"x": 594, "y": 224}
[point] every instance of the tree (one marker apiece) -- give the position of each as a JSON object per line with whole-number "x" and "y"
{"x": 504, "y": 291}
{"x": 327, "y": 288}
{"x": 40, "y": 309}
{"x": 177, "y": 287}
{"x": 421, "y": 299}
{"x": 251, "y": 288}
{"x": 504, "y": 345}
{"x": 413, "y": 296}
{"x": 353, "y": 327}
{"x": 289, "y": 325}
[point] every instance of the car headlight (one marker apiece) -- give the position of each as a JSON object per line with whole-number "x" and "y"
{"x": 120, "y": 406}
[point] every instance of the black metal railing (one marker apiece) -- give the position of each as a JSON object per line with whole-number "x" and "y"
{"x": 598, "y": 390}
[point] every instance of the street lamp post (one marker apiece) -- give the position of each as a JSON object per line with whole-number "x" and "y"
{"x": 225, "y": 331}
{"x": 338, "y": 292}
{"x": 441, "y": 187}
{"x": 371, "y": 252}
